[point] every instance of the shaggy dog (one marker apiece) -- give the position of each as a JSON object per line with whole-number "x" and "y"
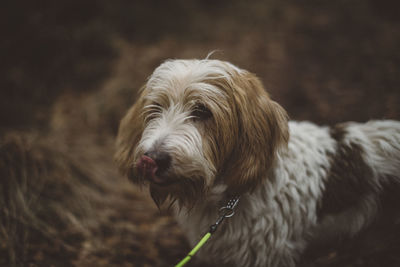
{"x": 202, "y": 131}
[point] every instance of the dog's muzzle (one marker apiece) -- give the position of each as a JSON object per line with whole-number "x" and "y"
{"x": 152, "y": 166}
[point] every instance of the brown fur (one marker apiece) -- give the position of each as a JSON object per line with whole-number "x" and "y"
{"x": 259, "y": 130}
{"x": 129, "y": 134}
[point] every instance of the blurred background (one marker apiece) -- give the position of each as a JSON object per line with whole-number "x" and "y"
{"x": 70, "y": 70}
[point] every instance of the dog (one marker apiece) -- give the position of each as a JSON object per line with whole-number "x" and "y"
{"x": 202, "y": 131}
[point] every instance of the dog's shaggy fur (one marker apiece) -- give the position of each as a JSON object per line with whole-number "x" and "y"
{"x": 203, "y": 130}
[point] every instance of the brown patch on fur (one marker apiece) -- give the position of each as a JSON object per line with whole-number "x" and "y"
{"x": 259, "y": 128}
{"x": 339, "y": 131}
{"x": 129, "y": 134}
{"x": 349, "y": 179}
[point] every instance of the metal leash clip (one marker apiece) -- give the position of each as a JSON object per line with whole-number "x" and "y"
{"x": 228, "y": 211}
{"x": 225, "y": 212}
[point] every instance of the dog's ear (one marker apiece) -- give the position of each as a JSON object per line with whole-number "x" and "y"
{"x": 262, "y": 131}
{"x": 129, "y": 133}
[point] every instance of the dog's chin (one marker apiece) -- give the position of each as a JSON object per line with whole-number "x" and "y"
{"x": 184, "y": 192}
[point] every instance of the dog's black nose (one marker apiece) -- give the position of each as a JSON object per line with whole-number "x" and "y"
{"x": 162, "y": 159}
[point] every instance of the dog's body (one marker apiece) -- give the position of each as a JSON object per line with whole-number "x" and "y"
{"x": 314, "y": 191}
{"x": 203, "y": 130}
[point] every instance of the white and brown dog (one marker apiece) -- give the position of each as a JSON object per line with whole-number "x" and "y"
{"x": 203, "y": 130}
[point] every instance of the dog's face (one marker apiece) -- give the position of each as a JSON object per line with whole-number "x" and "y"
{"x": 198, "y": 123}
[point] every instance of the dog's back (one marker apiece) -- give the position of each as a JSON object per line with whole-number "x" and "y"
{"x": 382, "y": 147}
{"x": 359, "y": 203}
{"x": 365, "y": 164}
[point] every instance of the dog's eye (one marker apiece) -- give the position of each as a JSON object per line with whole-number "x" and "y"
{"x": 156, "y": 107}
{"x": 153, "y": 110}
{"x": 201, "y": 112}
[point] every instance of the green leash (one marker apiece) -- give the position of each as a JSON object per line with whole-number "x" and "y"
{"x": 194, "y": 250}
{"x": 224, "y": 212}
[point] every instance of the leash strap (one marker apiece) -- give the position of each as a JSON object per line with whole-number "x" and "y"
{"x": 194, "y": 250}
{"x": 224, "y": 212}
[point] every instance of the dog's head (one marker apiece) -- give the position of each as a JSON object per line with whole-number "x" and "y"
{"x": 198, "y": 123}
